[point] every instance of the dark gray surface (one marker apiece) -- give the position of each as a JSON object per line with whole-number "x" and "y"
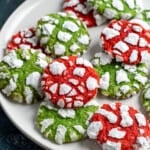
{"x": 6, "y": 8}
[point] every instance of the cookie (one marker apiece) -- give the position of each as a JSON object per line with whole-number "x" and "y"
{"x": 62, "y": 34}
{"x": 25, "y": 39}
{"x": 70, "y": 82}
{"x": 117, "y": 9}
{"x": 144, "y": 15}
{"x": 20, "y": 75}
{"x": 118, "y": 80}
{"x": 127, "y": 41}
{"x": 120, "y": 127}
{"x": 64, "y": 125}
{"x": 146, "y": 97}
{"x": 84, "y": 12}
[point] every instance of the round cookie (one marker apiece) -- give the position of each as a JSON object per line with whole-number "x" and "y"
{"x": 119, "y": 127}
{"x": 127, "y": 41}
{"x": 146, "y": 97}
{"x": 117, "y": 9}
{"x": 20, "y": 75}
{"x": 64, "y": 125}
{"x": 118, "y": 80}
{"x": 25, "y": 39}
{"x": 62, "y": 34}
{"x": 70, "y": 82}
{"x": 144, "y": 15}
{"x": 84, "y": 12}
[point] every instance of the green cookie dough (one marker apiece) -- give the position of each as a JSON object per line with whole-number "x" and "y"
{"x": 146, "y": 97}
{"x": 117, "y": 9}
{"x": 20, "y": 74}
{"x": 62, "y": 34}
{"x": 144, "y": 15}
{"x": 118, "y": 80}
{"x": 64, "y": 125}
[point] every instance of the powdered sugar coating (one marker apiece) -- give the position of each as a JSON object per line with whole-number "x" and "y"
{"x": 12, "y": 60}
{"x": 116, "y": 135}
{"x": 20, "y": 74}
{"x": 62, "y": 34}
{"x": 117, "y": 9}
{"x": 103, "y": 59}
{"x": 84, "y": 39}
{"x": 25, "y": 39}
{"x": 141, "y": 79}
{"x": 47, "y": 29}
{"x": 123, "y": 47}
{"x": 105, "y": 78}
{"x": 112, "y": 118}
{"x": 133, "y": 56}
{"x": 59, "y": 49}
{"x": 64, "y": 89}
{"x": 84, "y": 12}
{"x": 10, "y": 87}
{"x": 93, "y": 129}
{"x": 118, "y": 4}
{"x": 33, "y": 80}
{"x": 109, "y": 145}
{"x": 91, "y": 83}
{"x": 60, "y": 134}
{"x": 63, "y": 125}
{"x": 118, "y": 80}
{"x": 121, "y": 76}
{"x": 128, "y": 43}
{"x": 67, "y": 113}
{"x": 132, "y": 38}
{"x": 70, "y": 26}
{"x": 67, "y": 81}
{"x": 79, "y": 72}
{"x": 145, "y": 96}
{"x": 110, "y": 33}
{"x": 80, "y": 129}
{"x": 28, "y": 95}
{"x": 57, "y": 68}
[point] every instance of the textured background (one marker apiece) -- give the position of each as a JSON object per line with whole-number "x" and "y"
{"x": 10, "y": 137}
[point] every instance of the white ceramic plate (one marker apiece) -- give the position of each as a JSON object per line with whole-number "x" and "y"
{"x": 24, "y": 116}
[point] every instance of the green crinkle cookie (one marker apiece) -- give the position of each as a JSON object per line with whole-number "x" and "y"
{"x": 145, "y": 16}
{"x": 146, "y": 97}
{"x": 20, "y": 74}
{"x": 117, "y": 9}
{"x": 62, "y": 34}
{"x": 64, "y": 125}
{"x": 118, "y": 80}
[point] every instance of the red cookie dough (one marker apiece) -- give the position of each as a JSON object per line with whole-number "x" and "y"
{"x": 120, "y": 127}
{"x": 70, "y": 82}
{"x": 127, "y": 41}
{"x": 82, "y": 10}
{"x": 24, "y": 39}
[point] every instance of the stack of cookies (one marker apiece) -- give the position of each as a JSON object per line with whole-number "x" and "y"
{"x": 69, "y": 83}
{"x": 44, "y": 63}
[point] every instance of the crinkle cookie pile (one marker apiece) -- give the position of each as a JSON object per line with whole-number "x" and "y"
{"x": 44, "y": 63}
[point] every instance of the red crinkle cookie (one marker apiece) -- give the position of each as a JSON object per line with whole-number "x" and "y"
{"x": 120, "y": 127}
{"x": 81, "y": 10}
{"x": 70, "y": 82}
{"x": 24, "y": 39}
{"x": 127, "y": 41}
